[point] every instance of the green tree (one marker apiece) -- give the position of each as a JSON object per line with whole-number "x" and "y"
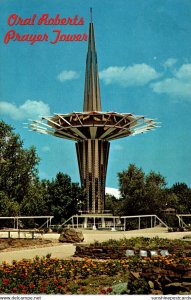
{"x": 131, "y": 186}
{"x": 22, "y": 193}
{"x": 18, "y": 166}
{"x": 64, "y": 197}
{"x": 34, "y": 202}
{"x": 141, "y": 194}
{"x": 155, "y": 193}
{"x": 183, "y": 194}
{"x": 8, "y": 207}
{"x": 112, "y": 204}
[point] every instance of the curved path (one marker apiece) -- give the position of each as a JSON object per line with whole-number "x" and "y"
{"x": 67, "y": 250}
{"x": 60, "y": 251}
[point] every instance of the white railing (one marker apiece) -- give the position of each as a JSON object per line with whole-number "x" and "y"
{"x": 16, "y": 220}
{"x": 109, "y": 221}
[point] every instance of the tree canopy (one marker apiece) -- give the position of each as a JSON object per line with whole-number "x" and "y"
{"x": 148, "y": 194}
{"x": 22, "y": 192}
{"x": 63, "y": 197}
{"x": 18, "y": 169}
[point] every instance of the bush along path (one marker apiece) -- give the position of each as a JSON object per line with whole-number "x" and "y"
{"x": 133, "y": 275}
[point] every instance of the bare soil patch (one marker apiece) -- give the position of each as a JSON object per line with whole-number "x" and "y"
{"x": 7, "y": 244}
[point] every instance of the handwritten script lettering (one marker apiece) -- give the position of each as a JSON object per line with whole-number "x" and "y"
{"x": 53, "y": 37}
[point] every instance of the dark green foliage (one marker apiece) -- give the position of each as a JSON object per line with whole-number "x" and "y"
{"x": 64, "y": 197}
{"x": 141, "y": 194}
{"x": 19, "y": 166}
{"x": 144, "y": 243}
{"x": 21, "y": 191}
{"x": 18, "y": 174}
{"x": 147, "y": 194}
{"x": 112, "y": 205}
{"x": 138, "y": 287}
{"x": 183, "y": 194}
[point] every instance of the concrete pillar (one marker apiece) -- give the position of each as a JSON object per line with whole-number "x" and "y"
{"x": 94, "y": 226}
{"x": 139, "y": 223}
{"x": 85, "y": 222}
{"x": 103, "y": 222}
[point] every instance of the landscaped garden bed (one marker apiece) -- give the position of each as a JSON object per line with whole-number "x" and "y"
{"x": 133, "y": 275}
{"x": 130, "y": 276}
{"x": 140, "y": 246}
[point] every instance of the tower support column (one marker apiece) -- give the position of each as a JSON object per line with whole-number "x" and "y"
{"x": 92, "y": 160}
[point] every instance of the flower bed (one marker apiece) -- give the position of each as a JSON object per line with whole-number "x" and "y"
{"x": 54, "y": 276}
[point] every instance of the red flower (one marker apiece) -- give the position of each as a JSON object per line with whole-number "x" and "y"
{"x": 22, "y": 286}
{"x": 103, "y": 292}
{"x": 14, "y": 290}
{"x": 5, "y": 281}
{"x": 59, "y": 286}
{"x": 55, "y": 281}
{"x": 24, "y": 292}
{"x": 43, "y": 283}
{"x": 109, "y": 289}
{"x": 42, "y": 289}
{"x": 31, "y": 285}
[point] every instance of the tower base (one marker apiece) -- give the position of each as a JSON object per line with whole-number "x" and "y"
{"x": 94, "y": 222}
{"x": 109, "y": 222}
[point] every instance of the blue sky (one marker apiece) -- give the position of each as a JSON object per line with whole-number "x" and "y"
{"x": 144, "y": 60}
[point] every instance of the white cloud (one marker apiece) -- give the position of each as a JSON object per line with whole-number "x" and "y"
{"x": 29, "y": 109}
{"x": 112, "y": 191}
{"x": 184, "y": 73}
{"x": 173, "y": 87}
{"x": 136, "y": 75}
{"x": 177, "y": 86}
{"x": 45, "y": 149}
{"x": 170, "y": 62}
{"x": 68, "y": 75}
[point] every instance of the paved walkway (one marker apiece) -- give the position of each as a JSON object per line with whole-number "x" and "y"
{"x": 60, "y": 251}
{"x": 67, "y": 250}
